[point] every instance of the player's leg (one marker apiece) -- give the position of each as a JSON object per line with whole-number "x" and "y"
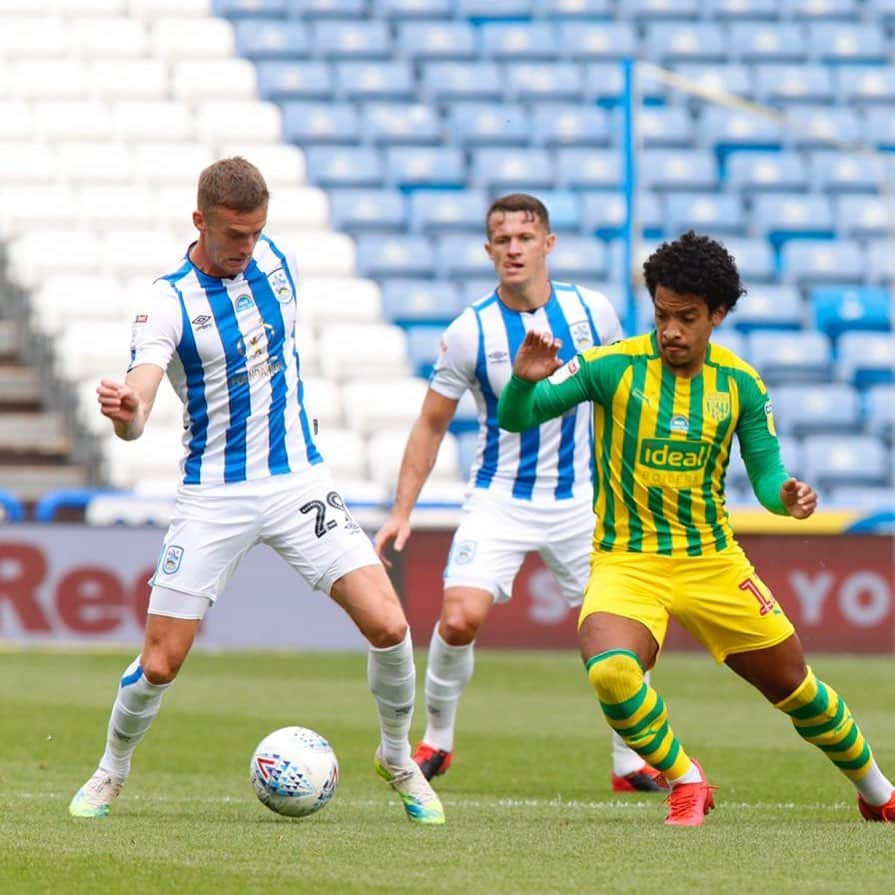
{"x": 820, "y": 716}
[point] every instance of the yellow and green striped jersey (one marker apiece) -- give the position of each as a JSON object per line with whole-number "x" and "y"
{"x": 661, "y": 442}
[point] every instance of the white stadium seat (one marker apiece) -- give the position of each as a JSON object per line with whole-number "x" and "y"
{"x": 152, "y": 120}
{"x": 50, "y": 77}
{"x": 297, "y": 208}
{"x": 44, "y": 251}
{"x": 323, "y": 401}
{"x": 64, "y": 298}
{"x": 133, "y": 78}
{"x": 57, "y": 119}
{"x": 340, "y": 299}
{"x": 216, "y": 120}
{"x": 170, "y": 163}
{"x": 24, "y": 206}
{"x": 178, "y": 38}
{"x": 108, "y": 354}
{"x": 372, "y": 404}
{"x": 95, "y": 36}
{"x": 386, "y": 448}
{"x": 139, "y": 251}
{"x": 322, "y": 253}
{"x": 102, "y": 206}
{"x": 282, "y": 165}
{"x": 355, "y": 350}
{"x": 30, "y": 35}
{"x": 199, "y": 80}
{"x": 344, "y": 450}
{"x": 16, "y": 117}
{"x": 83, "y": 161}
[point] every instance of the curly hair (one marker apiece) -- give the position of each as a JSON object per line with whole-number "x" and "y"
{"x": 695, "y": 265}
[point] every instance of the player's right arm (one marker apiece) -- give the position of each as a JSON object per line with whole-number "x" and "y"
{"x": 419, "y": 457}
{"x": 129, "y": 403}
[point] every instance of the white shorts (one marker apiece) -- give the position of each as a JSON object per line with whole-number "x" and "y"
{"x": 300, "y": 515}
{"x": 497, "y": 531}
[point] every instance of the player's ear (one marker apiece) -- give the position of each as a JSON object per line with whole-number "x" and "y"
{"x": 198, "y": 220}
{"x": 717, "y": 316}
{"x": 550, "y": 242}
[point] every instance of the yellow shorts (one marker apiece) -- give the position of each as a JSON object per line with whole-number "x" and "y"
{"x": 718, "y": 598}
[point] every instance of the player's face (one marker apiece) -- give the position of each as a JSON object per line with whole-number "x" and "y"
{"x": 227, "y": 238}
{"x": 518, "y": 245}
{"x": 684, "y": 326}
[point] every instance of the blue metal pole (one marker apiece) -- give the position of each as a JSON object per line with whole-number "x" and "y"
{"x": 629, "y": 188}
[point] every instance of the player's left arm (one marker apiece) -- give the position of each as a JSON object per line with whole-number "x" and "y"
{"x": 776, "y": 490}
{"x": 530, "y": 397}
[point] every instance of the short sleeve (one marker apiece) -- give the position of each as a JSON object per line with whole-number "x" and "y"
{"x": 454, "y": 369}
{"x": 603, "y": 314}
{"x": 157, "y": 327}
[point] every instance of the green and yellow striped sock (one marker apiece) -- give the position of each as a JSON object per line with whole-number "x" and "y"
{"x": 636, "y": 712}
{"x": 820, "y": 716}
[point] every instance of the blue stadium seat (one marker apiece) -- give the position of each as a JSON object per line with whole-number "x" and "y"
{"x": 833, "y": 172}
{"x": 738, "y": 478}
{"x": 440, "y": 211}
{"x": 579, "y": 259}
{"x": 402, "y": 10}
{"x": 462, "y": 256}
{"x": 423, "y": 166}
{"x": 794, "y": 83}
{"x": 878, "y": 258}
{"x": 768, "y": 42}
{"x": 394, "y": 256}
{"x": 278, "y": 80}
{"x": 671, "y": 42}
{"x": 593, "y": 41}
{"x": 359, "y": 210}
{"x": 249, "y": 9}
{"x": 822, "y": 10}
{"x": 730, "y": 78}
{"x": 871, "y": 499}
{"x": 408, "y": 302}
{"x": 422, "y": 348}
{"x": 258, "y": 39}
{"x": 753, "y": 170}
{"x": 578, "y": 168}
{"x": 742, "y": 10}
{"x": 535, "y": 81}
{"x": 678, "y": 169}
{"x": 568, "y": 124}
{"x": 783, "y": 357}
{"x": 362, "y": 39}
{"x": 318, "y": 122}
{"x": 769, "y": 306}
{"x": 833, "y": 461}
{"x": 810, "y": 261}
{"x": 837, "y": 309}
{"x": 340, "y": 9}
{"x": 727, "y": 130}
{"x": 477, "y": 287}
{"x": 375, "y": 80}
{"x": 481, "y": 124}
{"x": 863, "y": 216}
{"x": 712, "y": 213}
{"x": 732, "y": 339}
{"x": 783, "y": 216}
{"x": 512, "y": 169}
{"x": 564, "y": 208}
{"x": 603, "y": 84}
{"x": 834, "y": 42}
{"x": 603, "y": 214}
{"x": 577, "y": 9}
{"x": 803, "y": 409}
{"x": 754, "y": 258}
{"x": 664, "y": 126}
{"x": 493, "y": 10}
{"x": 877, "y": 125}
{"x": 436, "y": 40}
{"x": 451, "y": 81}
{"x": 884, "y": 10}
{"x": 385, "y": 123}
{"x": 813, "y": 126}
{"x": 344, "y": 167}
{"x": 656, "y": 10}
{"x": 509, "y": 41}
{"x": 879, "y": 411}
{"x": 866, "y": 358}
{"x": 865, "y": 84}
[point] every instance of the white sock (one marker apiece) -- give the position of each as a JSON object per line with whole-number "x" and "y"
{"x": 448, "y": 672}
{"x": 136, "y": 705}
{"x": 875, "y": 787}
{"x": 392, "y": 678}
{"x": 624, "y": 759}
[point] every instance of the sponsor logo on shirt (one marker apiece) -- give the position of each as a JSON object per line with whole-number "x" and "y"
{"x": 672, "y": 462}
{"x": 565, "y": 372}
{"x": 203, "y": 321}
{"x": 498, "y": 357}
{"x": 141, "y": 318}
{"x": 679, "y": 424}
{"x": 243, "y": 303}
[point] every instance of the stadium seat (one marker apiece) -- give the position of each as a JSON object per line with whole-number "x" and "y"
{"x": 576, "y": 9}
{"x": 394, "y": 256}
{"x": 386, "y": 123}
{"x": 539, "y": 81}
{"x": 769, "y": 306}
{"x": 678, "y": 169}
{"x": 421, "y": 166}
{"x": 822, "y": 10}
{"x": 443, "y": 82}
{"x": 386, "y": 448}
{"x": 493, "y": 10}
{"x": 95, "y": 36}
{"x": 65, "y": 298}
{"x": 869, "y": 498}
{"x": 728, "y": 78}
{"x": 341, "y": 9}
{"x": 732, "y": 339}
{"x": 483, "y": 124}
{"x": 351, "y": 39}
{"x": 306, "y": 123}
{"x": 567, "y": 124}
{"x": 159, "y": 163}
{"x": 836, "y": 42}
{"x": 178, "y": 37}
{"x": 654, "y": 10}
{"x": 322, "y": 252}
{"x": 71, "y": 120}
{"x": 370, "y": 350}
{"x": 126, "y": 78}
{"x": 833, "y": 461}
{"x": 283, "y": 165}
{"x": 783, "y": 216}
{"x": 579, "y": 259}
{"x": 784, "y": 357}
{"x": 462, "y": 256}
{"x": 865, "y": 358}
{"x": 878, "y": 256}
{"x": 879, "y": 411}
{"x": 271, "y": 38}
{"x": 422, "y": 348}
{"x": 837, "y": 309}
{"x": 16, "y": 118}
{"x": 348, "y": 299}
{"x": 367, "y": 210}
{"x": 29, "y": 262}
{"x": 750, "y": 171}
{"x": 154, "y": 454}
{"x": 345, "y": 167}
{"x": 865, "y": 84}
{"x": 410, "y": 302}
{"x": 368, "y": 412}
{"x": 712, "y": 213}
{"x": 810, "y": 261}
{"x": 803, "y": 409}
{"x": 863, "y": 216}
{"x": 23, "y": 206}
{"x": 345, "y": 450}
{"x": 33, "y": 35}
{"x": 840, "y": 172}
{"x": 593, "y": 41}
{"x": 814, "y": 127}
{"x": 322, "y": 398}
{"x": 877, "y": 126}
{"x": 263, "y": 120}
{"x": 603, "y": 214}
{"x": 738, "y": 478}
{"x": 288, "y": 79}
{"x": 743, "y": 10}
{"x": 510, "y": 41}
{"x": 374, "y": 80}
{"x": 604, "y": 85}
{"x": 672, "y": 42}
{"x": 768, "y": 42}
{"x": 439, "y": 211}
{"x": 754, "y": 258}
{"x": 668, "y": 126}
{"x": 777, "y": 84}
{"x": 564, "y": 208}
{"x": 726, "y": 130}
{"x": 436, "y": 40}
{"x": 512, "y": 169}
{"x": 149, "y": 120}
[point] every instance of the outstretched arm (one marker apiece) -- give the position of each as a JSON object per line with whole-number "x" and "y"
{"x": 129, "y": 403}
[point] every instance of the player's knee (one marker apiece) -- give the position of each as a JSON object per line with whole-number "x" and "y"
{"x": 615, "y": 675}
{"x": 386, "y": 632}
{"x": 457, "y": 627}
{"x": 160, "y": 667}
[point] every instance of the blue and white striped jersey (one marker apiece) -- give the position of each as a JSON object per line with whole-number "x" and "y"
{"x": 228, "y": 347}
{"x": 552, "y": 461}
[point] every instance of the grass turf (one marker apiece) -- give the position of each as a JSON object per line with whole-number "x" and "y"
{"x": 529, "y": 807}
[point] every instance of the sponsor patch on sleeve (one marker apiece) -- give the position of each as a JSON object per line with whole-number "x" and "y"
{"x": 141, "y": 318}
{"x": 565, "y": 372}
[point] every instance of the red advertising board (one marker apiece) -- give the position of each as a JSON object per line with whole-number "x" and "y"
{"x": 837, "y": 589}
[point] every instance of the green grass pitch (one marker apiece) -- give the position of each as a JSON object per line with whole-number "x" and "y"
{"x": 529, "y": 807}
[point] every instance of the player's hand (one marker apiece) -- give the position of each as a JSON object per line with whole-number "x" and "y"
{"x": 117, "y": 401}
{"x": 799, "y": 499}
{"x": 537, "y": 356}
{"x": 393, "y": 529}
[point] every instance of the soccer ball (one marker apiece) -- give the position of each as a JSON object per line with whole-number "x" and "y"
{"x": 294, "y": 771}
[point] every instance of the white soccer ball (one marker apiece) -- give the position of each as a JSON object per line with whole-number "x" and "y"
{"x": 294, "y": 771}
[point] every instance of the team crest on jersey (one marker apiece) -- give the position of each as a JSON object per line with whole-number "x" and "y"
{"x": 464, "y": 552}
{"x": 679, "y": 424}
{"x": 171, "y": 560}
{"x": 717, "y": 406}
{"x": 581, "y": 334}
{"x": 279, "y": 283}
{"x": 243, "y": 303}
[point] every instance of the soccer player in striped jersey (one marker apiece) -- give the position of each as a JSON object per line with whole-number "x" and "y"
{"x": 222, "y": 324}
{"x": 666, "y": 408}
{"x": 528, "y": 492}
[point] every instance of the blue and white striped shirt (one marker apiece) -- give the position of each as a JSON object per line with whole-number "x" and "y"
{"x": 228, "y": 347}
{"x": 552, "y": 461}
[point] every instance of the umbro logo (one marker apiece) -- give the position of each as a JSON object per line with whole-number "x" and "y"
{"x": 203, "y": 321}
